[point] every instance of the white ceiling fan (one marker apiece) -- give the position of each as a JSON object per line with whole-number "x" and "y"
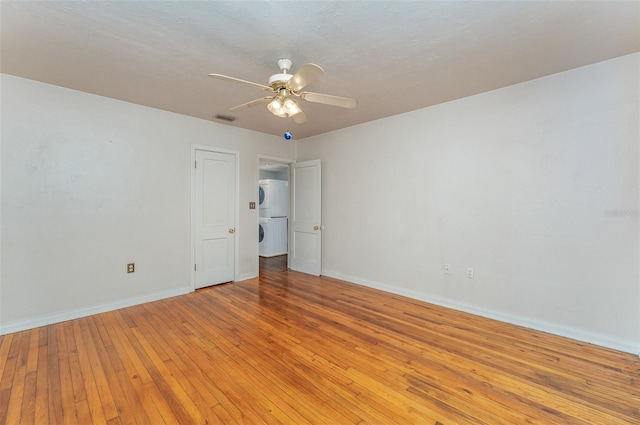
{"x": 286, "y": 88}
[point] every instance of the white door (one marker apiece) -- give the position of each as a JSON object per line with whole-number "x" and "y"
{"x": 305, "y": 252}
{"x": 215, "y": 204}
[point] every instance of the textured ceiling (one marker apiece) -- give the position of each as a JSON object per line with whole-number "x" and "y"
{"x": 393, "y": 57}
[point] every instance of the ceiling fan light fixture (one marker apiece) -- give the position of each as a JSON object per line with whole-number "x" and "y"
{"x": 276, "y": 107}
{"x": 284, "y": 107}
{"x": 291, "y": 107}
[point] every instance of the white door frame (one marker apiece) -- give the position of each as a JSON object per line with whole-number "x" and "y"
{"x": 192, "y": 209}
{"x": 288, "y": 162}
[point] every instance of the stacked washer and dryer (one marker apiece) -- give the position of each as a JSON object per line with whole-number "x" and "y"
{"x": 273, "y": 197}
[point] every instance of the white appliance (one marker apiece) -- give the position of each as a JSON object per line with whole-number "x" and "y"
{"x": 272, "y": 236}
{"x": 273, "y": 196}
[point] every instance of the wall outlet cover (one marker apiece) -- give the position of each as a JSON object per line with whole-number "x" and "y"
{"x": 470, "y": 272}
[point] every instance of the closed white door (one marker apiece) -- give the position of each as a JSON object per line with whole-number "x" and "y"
{"x": 215, "y": 204}
{"x": 305, "y": 253}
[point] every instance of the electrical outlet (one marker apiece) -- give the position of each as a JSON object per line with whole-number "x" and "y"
{"x": 131, "y": 268}
{"x": 252, "y": 205}
{"x": 470, "y": 272}
{"x": 447, "y": 268}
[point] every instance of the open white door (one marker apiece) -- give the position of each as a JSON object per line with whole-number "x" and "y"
{"x": 215, "y": 205}
{"x": 305, "y": 245}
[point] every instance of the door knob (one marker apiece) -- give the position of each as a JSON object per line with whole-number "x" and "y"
{"x": 316, "y": 227}
{"x": 232, "y": 230}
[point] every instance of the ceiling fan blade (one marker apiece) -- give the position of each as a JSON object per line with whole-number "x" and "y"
{"x": 327, "y": 99}
{"x": 237, "y": 80}
{"x": 306, "y": 75}
{"x": 300, "y": 117}
{"x": 250, "y": 104}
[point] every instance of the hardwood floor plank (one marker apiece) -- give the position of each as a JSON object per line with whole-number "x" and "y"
{"x": 66, "y": 386}
{"x": 88, "y": 378}
{"x": 252, "y": 380}
{"x": 16, "y": 370}
{"x": 5, "y": 347}
{"x": 148, "y": 375}
{"x": 120, "y": 336}
{"x": 210, "y": 360}
{"x": 41, "y": 415}
{"x": 56, "y": 415}
{"x": 102, "y": 386}
{"x": 127, "y": 366}
{"x": 10, "y": 361}
{"x": 28, "y": 411}
{"x": 254, "y": 347}
{"x": 79, "y": 393}
{"x": 187, "y": 372}
{"x": 125, "y": 387}
{"x": 288, "y": 348}
{"x": 128, "y": 385}
{"x": 162, "y": 371}
{"x": 187, "y": 375}
{"x": 190, "y": 357}
{"x": 84, "y": 413}
{"x": 6, "y": 376}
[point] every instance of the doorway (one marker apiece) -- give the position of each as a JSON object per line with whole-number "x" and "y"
{"x": 273, "y": 211}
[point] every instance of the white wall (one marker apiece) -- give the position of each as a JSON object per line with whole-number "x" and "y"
{"x": 534, "y": 185}
{"x": 266, "y": 174}
{"x": 90, "y": 184}
{"x": 274, "y": 175}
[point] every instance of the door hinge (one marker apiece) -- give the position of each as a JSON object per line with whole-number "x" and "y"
{"x": 195, "y": 267}
{"x": 195, "y": 164}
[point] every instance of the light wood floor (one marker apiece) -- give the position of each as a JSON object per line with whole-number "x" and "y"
{"x": 289, "y": 348}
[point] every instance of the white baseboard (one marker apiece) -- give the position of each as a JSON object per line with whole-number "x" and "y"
{"x": 245, "y": 277}
{"x": 607, "y": 341}
{"x": 49, "y": 319}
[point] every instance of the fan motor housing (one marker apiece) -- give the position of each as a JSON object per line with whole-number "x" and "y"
{"x": 279, "y": 78}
